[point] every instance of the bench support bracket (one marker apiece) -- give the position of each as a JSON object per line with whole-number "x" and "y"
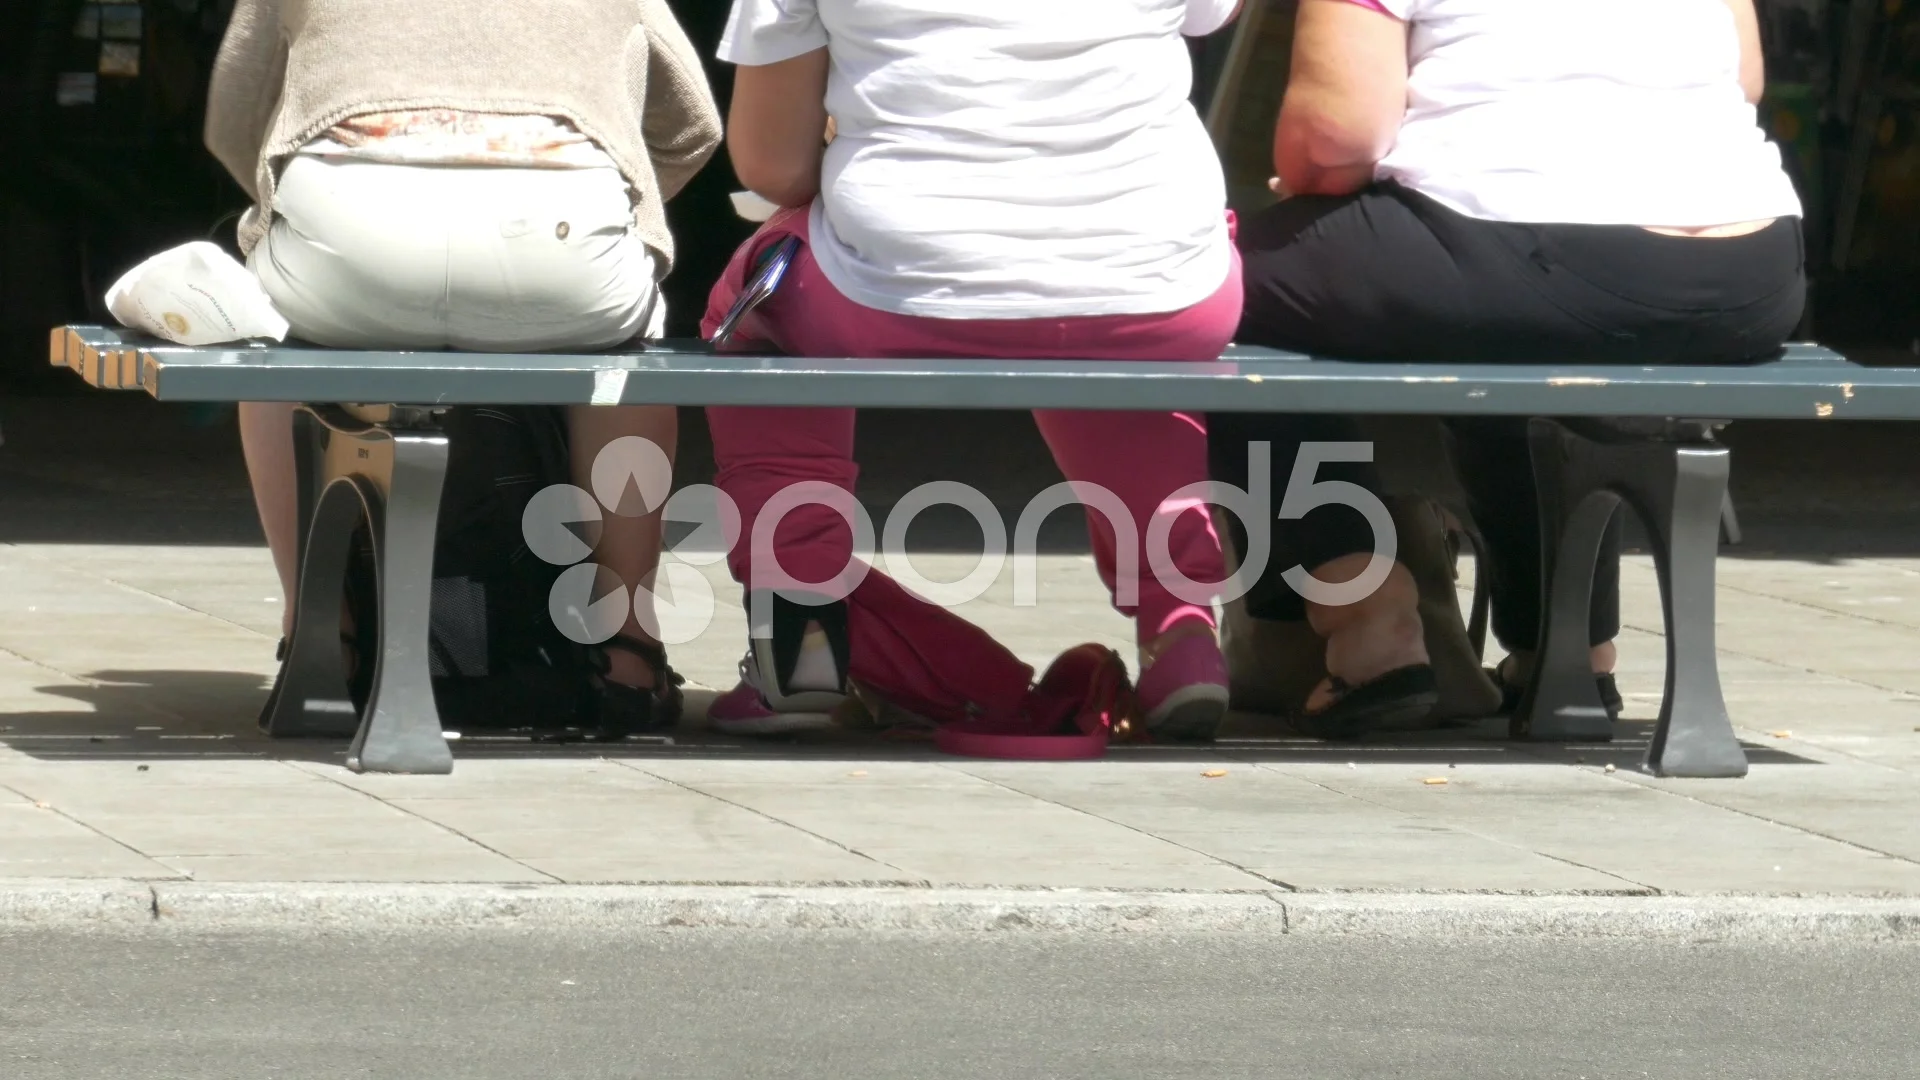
{"x": 1678, "y": 489}
{"x": 386, "y": 470}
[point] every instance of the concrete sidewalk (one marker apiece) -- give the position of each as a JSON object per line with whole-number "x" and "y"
{"x": 129, "y": 679}
{"x": 131, "y": 672}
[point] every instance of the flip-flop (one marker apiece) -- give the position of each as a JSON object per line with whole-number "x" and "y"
{"x": 1388, "y": 700}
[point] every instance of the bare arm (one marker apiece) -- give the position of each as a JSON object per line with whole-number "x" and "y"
{"x": 775, "y": 123}
{"x": 1753, "y": 66}
{"x": 1346, "y": 97}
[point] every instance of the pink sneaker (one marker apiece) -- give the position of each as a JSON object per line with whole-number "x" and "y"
{"x": 1183, "y": 691}
{"x": 744, "y": 710}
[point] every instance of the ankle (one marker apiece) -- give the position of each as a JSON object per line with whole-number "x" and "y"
{"x": 1398, "y": 592}
{"x": 1397, "y": 598}
{"x": 1376, "y": 635}
{"x": 1605, "y": 658}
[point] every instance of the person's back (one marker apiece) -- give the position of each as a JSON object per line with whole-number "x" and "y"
{"x": 1000, "y": 159}
{"x": 1605, "y": 112}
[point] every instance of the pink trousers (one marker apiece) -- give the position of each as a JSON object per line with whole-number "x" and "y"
{"x": 916, "y": 653}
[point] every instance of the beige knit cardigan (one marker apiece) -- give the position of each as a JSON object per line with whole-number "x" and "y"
{"x": 620, "y": 71}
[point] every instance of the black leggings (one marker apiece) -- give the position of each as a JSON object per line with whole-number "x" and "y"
{"x": 1388, "y": 274}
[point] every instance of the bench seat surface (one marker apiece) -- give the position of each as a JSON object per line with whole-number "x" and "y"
{"x": 1808, "y": 382}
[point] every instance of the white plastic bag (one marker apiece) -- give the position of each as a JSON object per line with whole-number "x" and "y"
{"x": 195, "y": 294}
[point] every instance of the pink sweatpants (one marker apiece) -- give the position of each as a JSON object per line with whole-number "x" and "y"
{"x": 918, "y": 654}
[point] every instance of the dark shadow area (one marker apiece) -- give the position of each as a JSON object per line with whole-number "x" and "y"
{"x": 120, "y": 468}
{"x": 145, "y": 715}
{"x": 1817, "y": 491}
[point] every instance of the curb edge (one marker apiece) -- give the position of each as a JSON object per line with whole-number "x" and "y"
{"x": 196, "y": 906}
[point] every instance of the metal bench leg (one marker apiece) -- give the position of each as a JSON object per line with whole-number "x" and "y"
{"x": 388, "y": 474}
{"x": 1678, "y": 489}
{"x": 310, "y": 697}
{"x": 1562, "y": 701}
{"x": 1694, "y": 736}
{"x": 401, "y": 731}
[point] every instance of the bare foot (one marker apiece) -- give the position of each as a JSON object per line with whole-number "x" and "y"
{"x": 1365, "y": 640}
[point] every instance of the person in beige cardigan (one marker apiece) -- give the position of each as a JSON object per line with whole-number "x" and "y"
{"x": 484, "y": 175}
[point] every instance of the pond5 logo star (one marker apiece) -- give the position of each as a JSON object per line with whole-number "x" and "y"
{"x": 565, "y": 526}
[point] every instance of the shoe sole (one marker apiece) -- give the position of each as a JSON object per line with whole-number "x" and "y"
{"x": 804, "y": 701}
{"x": 1402, "y": 715}
{"x": 1511, "y": 693}
{"x": 777, "y": 724}
{"x": 1189, "y": 714}
{"x": 1414, "y": 717}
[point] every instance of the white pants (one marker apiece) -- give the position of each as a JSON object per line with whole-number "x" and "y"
{"x": 367, "y": 255}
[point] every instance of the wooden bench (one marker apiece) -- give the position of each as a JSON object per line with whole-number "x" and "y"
{"x": 386, "y": 461}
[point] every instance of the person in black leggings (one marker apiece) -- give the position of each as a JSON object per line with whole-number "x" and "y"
{"x": 1409, "y": 238}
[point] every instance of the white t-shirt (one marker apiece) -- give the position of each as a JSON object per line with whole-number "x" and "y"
{"x": 1007, "y": 159}
{"x": 1605, "y": 112}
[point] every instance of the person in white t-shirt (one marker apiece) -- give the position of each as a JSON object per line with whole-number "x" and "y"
{"x": 1005, "y": 179}
{"x": 1502, "y": 181}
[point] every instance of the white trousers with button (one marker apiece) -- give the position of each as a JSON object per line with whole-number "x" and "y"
{"x": 369, "y": 255}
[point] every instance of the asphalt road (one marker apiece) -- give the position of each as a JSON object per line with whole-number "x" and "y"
{"x": 736, "y": 1005}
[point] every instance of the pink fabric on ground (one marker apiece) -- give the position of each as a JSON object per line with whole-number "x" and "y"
{"x": 913, "y": 651}
{"x": 1374, "y": 4}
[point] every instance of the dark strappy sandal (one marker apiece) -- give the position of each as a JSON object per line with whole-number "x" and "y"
{"x": 1512, "y": 692}
{"x": 631, "y": 710}
{"x": 1391, "y": 700}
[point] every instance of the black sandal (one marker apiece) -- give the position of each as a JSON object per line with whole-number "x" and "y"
{"x": 627, "y": 710}
{"x": 1395, "y": 698}
{"x": 1511, "y": 692}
